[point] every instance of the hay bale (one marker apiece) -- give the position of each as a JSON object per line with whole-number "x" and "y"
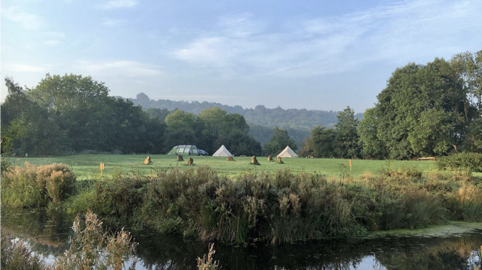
{"x": 189, "y": 161}
{"x": 254, "y": 161}
{"x": 179, "y": 158}
{"x": 147, "y": 161}
{"x": 230, "y": 159}
{"x": 270, "y": 158}
{"x": 279, "y": 161}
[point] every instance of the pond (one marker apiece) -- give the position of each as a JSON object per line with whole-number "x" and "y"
{"x": 47, "y": 233}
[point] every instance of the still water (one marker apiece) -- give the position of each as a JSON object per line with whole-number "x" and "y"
{"x": 47, "y": 234}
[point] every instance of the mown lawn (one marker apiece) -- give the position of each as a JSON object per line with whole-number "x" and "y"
{"x": 87, "y": 166}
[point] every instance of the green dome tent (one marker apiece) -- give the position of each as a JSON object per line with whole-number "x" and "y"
{"x": 184, "y": 150}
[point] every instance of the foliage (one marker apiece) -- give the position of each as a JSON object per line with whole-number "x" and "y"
{"x": 463, "y": 160}
{"x": 30, "y": 186}
{"x": 285, "y": 207}
{"x": 346, "y": 137}
{"x": 71, "y": 113}
{"x": 209, "y": 130}
{"x": 279, "y": 207}
{"x": 91, "y": 248}
{"x": 27, "y": 127}
{"x": 323, "y": 141}
{"x": 307, "y": 148}
{"x": 182, "y": 128}
{"x": 6, "y": 165}
{"x": 288, "y": 119}
{"x": 278, "y": 142}
{"x": 426, "y": 110}
{"x": 239, "y": 144}
{"x": 372, "y": 146}
{"x": 16, "y": 255}
{"x": 207, "y": 262}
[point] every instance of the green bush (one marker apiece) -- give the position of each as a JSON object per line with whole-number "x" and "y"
{"x": 275, "y": 207}
{"x": 465, "y": 160}
{"x": 16, "y": 255}
{"x": 30, "y": 186}
{"x": 6, "y": 165}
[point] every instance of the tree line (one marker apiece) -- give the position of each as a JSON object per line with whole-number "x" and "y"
{"x": 425, "y": 110}
{"x": 72, "y": 114}
{"x": 287, "y": 119}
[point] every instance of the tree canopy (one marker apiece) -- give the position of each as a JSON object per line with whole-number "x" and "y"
{"x": 74, "y": 114}
{"x": 426, "y": 110}
{"x": 278, "y": 142}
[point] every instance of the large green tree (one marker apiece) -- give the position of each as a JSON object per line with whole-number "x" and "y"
{"x": 372, "y": 146}
{"x": 80, "y": 106}
{"x": 27, "y": 128}
{"x": 278, "y": 142}
{"x": 424, "y": 110}
{"x": 182, "y": 128}
{"x": 71, "y": 113}
{"x": 323, "y": 142}
{"x": 346, "y": 137}
{"x": 468, "y": 66}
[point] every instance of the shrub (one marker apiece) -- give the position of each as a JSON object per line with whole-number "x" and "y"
{"x": 6, "y": 165}
{"x": 30, "y": 186}
{"x": 464, "y": 160}
{"x": 466, "y": 203}
{"x": 16, "y": 255}
{"x": 91, "y": 248}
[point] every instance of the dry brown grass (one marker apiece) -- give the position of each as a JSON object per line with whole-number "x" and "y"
{"x": 207, "y": 262}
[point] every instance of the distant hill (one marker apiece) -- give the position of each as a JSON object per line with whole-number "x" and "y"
{"x": 262, "y": 120}
{"x": 297, "y": 119}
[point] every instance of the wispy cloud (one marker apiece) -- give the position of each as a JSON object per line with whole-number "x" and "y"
{"x": 399, "y": 33}
{"x": 51, "y": 38}
{"x": 119, "y": 4}
{"x": 25, "y": 68}
{"x": 52, "y": 42}
{"x": 119, "y": 68}
{"x": 111, "y": 22}
{"x": 27, "y": 20}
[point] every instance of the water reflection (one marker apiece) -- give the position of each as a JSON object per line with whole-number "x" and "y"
{"x": 47, "y": 233}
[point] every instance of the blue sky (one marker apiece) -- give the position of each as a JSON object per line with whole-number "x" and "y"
{"x": 322, "y": 55}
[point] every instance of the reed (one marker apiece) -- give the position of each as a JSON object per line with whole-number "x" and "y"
{"x": 31, "y": 186}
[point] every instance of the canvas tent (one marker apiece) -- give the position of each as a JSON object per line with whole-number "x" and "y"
{"x": 184, "y": 150}
{"x": 222, "y": 152}
{"x": 288, "y": 152}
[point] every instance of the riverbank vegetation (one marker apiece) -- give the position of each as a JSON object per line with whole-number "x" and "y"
{"x": 260, "y": 206}
{"x": 91, "y": 248}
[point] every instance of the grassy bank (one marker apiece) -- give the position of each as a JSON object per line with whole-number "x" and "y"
{"x": 254, "y": 206}
{"x": 87, "y": 166}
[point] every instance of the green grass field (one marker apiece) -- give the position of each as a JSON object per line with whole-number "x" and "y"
{"x": 88, "y": 166}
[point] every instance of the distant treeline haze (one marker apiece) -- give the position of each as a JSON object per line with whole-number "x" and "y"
{"x": 425, "y": 110}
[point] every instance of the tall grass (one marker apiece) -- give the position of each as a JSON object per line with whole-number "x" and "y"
{"x": 207, "y": 262}
{"x": 283, "y": 206}
{"x": 6, "y": 165}
{"x": 91, "y": 248}
{"x": 31, "y": 186}
{"x": 276, "y": 207}
{"x": 16, "y": 255}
